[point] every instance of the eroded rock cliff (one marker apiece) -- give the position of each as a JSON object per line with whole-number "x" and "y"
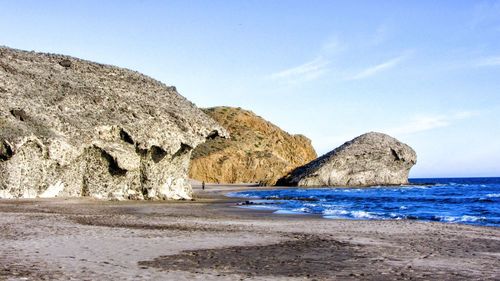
{"x": 70, "y": 127}
{"x": 257, "y": 151}
{"x": 370, "y": 159}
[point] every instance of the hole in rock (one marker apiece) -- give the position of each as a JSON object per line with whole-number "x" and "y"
{"x": 184, "y": 149}
{"x": 213, "y": 135}
{"x": 157, "y": 153}
{"x": 395, "y": 154}
{"x": 19, "y": 114}
{"x": 126, "y": 137}
{"x": 5, "y": 151}
{"x": 113, "y": 168}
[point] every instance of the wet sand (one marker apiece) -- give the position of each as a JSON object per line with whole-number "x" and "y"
{"x": 212, "y": 238}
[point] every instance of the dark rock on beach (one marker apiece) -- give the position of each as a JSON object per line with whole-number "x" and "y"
{"x": 71, "y": 127}
{"x": 370, "y": 159}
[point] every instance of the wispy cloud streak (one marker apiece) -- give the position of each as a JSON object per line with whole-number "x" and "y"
{"x": 427, "y": 122}
{"x": 304, "y": 72}
{"x": 419, "y": 123}
{"x": 313, "y": 69}
{"x": 370, "y": 71}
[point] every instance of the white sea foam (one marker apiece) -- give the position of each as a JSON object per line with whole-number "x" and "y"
{"x": 415, "y": 187}
{"x": 403, "y": 208}
{"x": 338, "y": 213}
{"x": 471, "y": 218}
{"x": 464, "y": 218}
{"x": 289, "y": 212}
{"x": 260, "y": 207}
{"x": 448, "y": 218}
{"x": 236, "y": 194}
{"x": 350, "y": 190}
{"x": 302, "y": 210}
{"x": 333, "y": 212}
{"x": 396, "y": 216}
{"x": 312, "y": 204}
{"x": 363, "y": 215}
{"x": 493, "y": 195}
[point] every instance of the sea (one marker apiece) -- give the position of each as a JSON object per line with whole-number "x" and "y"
{"x": 450, "y": 200}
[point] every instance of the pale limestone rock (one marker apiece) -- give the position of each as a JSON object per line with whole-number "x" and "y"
{"x": 53, "y": 190}
{"x": 370, "y": 159}
{"x": 70, "y": 127}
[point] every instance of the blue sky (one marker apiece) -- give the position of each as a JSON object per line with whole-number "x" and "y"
{"x": 425, "y": 72}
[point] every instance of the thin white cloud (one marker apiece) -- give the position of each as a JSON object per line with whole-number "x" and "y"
{"x": 370, "y": 71}
{"x": 313, "y": 69}
{"x": 304, "y": 72}
{"x": 489, "y": 61}
{"x": 427, "y": 122}
{"x": 419, "y": 123}
{"x": 329, "y": 52}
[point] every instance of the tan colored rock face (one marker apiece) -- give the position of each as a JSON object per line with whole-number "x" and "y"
{"x": 70, "y": 127}
{"x": 370, "y": 159}
{"x": 257, "y": 151}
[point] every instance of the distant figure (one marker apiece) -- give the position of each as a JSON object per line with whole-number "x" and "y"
{"x": 203, "y": 185}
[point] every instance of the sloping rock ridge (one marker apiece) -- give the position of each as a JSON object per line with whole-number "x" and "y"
{"x": 370, "y": 159}
{"x": 257, "y": 152}
{"x": 70, "y": 127}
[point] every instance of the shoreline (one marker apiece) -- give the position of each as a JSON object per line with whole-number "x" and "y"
{"x": 211, "y": 238}
{"x": 246, "y": 202}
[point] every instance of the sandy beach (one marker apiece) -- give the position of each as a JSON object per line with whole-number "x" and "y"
{"x": 211, "y": 238}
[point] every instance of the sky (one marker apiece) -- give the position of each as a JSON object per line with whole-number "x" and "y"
{"x": 424, "y": 72}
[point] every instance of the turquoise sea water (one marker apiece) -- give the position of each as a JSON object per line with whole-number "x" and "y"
{"x": 453, "y": 200}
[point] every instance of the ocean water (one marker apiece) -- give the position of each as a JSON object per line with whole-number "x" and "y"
{"x": 452, "y": 200}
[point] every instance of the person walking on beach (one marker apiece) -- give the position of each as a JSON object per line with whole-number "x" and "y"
{"x": 203, "y": 185}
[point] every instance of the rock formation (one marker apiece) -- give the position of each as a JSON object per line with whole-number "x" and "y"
{"x": 70, "y": 127}
{"x": 370, "y": 159}
{"x": 258, "y": 151}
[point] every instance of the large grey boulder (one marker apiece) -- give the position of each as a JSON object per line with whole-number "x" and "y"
{"x": 370, "y": 159}
{"x": 70, "y": 127}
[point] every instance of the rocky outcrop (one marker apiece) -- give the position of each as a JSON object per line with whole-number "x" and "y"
{"x": 370, "y": 159}
{"x": 70, "y": 127}
{"x": 258, "y": 151}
